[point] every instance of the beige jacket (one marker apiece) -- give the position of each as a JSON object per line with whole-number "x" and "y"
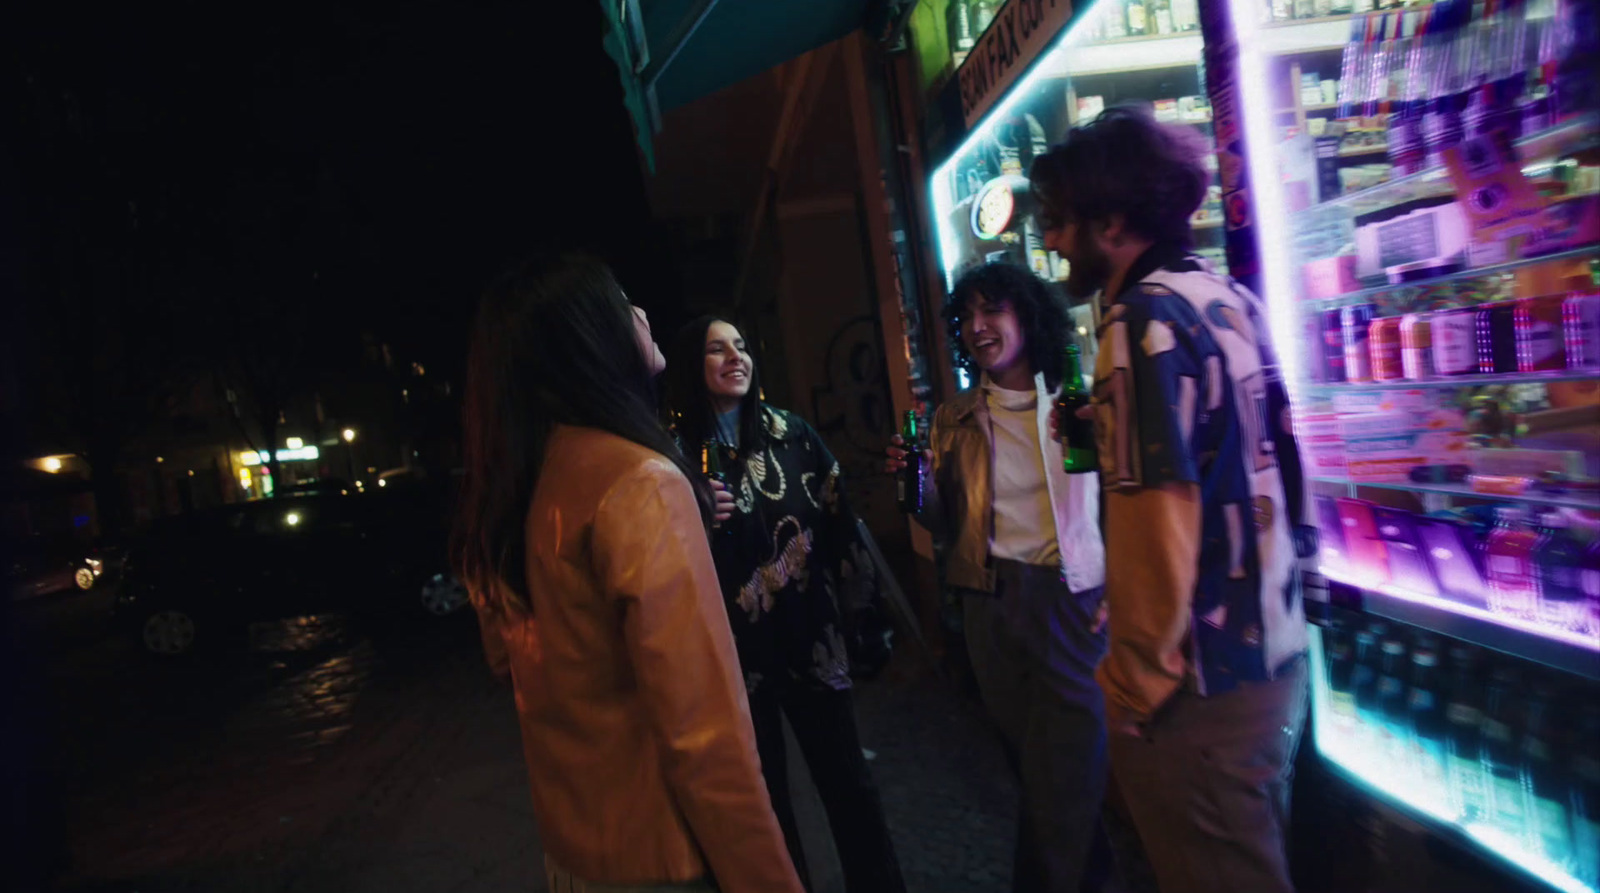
{"x": 635, "y": 726}
{"x": 959, "y": 506}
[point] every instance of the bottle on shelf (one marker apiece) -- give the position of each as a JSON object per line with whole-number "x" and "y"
{"x": 1541, "y": 346}
{"x": 1580, "y": 324}
{"x": 982, "y": 14}
{"x": 1558, "y": 566}
{"x": 1502, "y": 763}
{"x": 1416, "y": 347}
{"x": 1341, "y": 660}
{"x": 1455, "y": 341}
{"x": 959, "y": 31}
{"x": 1364, "y": 679}
{"x": 1113, "y": 17}
{"x": 1496, "y": 70}
{"x": 1496, "y": 328}
{"x": 1544, "y": 790}
{"x": 1583, "y": 797}
{"x": 1389, "y": 716}
{"x": 1425, "y": 718}
{"x": 1357, "y": 322}
{"x": 1161, "y": 16}
{"x": 1383, "y": 340}
{"x": 1444, "y": 54}
{"x": 1463, "y": 739}
{"x": 1509, "y": 564}
{"x": 1138, "y": 18}
{"x": 1333, "y": 346}
{"x": 1406, "y": 150}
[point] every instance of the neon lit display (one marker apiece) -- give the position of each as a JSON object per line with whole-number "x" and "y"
{"x": 1070, "y": 55}
{"x": 303, "y": 454}
{"x": 1556, "y": 634}
{"x": 1368, "y": 755}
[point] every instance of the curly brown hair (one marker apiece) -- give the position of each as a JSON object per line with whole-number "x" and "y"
{"x": 1039, "y": 309}
{"x": 1124, "y": 162}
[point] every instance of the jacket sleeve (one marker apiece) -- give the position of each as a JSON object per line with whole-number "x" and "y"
{"x": 651, "y": 555}
{"x": 1152, "y": 554}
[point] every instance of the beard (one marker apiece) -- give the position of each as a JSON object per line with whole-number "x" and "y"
{"x": 1087, "y": 269}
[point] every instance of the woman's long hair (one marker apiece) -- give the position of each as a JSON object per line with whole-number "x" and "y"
{"x": 554, "y": 343}
{"x": 688, "y": 398}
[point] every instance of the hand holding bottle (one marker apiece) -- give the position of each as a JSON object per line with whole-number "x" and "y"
{"x": 895, "y": 455}
{"x": 723, "y": 503}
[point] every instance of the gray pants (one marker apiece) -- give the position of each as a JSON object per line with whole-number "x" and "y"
{"x": 1033, "y": 652}
{"x": 1208, "y": 785}
{"x": 562, "y": 881}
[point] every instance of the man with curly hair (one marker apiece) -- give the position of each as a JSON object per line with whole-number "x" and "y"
{"x": 1026, "y": 554}
{"x": 1205, "y": 677}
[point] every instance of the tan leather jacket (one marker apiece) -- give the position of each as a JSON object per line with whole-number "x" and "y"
{"x": 637, "y": 733}
{"x": 959, "y": 506}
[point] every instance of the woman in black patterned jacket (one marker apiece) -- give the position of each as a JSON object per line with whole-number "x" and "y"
{"x": 783, "y": 560}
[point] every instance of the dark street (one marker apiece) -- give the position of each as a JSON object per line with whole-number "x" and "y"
{"x": 345, "y": 758}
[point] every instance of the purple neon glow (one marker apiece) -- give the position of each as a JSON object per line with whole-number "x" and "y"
{"x": 1266, "y": 184}
{"x": 1555, "y": 634}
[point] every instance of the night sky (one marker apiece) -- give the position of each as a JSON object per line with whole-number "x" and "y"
{"x": 195, "y": 173}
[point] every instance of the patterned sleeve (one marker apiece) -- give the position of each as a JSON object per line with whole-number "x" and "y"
{"x": 1148, "y": 388}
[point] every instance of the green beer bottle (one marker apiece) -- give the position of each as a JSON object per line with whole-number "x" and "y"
{"x": 1078, "y": 452}
{"x": 711, "y": 461}
{"x": 908, "y": 489}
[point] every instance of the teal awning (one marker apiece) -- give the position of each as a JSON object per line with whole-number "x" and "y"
{"x": 671, "y": 52}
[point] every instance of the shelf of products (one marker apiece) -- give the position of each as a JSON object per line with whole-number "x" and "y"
{"x": 1584, "y": 501}
{"x": 1459, "y": 381}
{"x": 1380, "y": 262}
{"x": 1563, "y": 649}
{"x": 982, "y": 208}
{"x": 1574, "y": 135}
{"x": 1407, "y": 719}
{"x": 1363, "y": 295}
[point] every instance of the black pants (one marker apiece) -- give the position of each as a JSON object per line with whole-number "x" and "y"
{"x": 824, "y": 724}
{"x": 1034, "y": 648}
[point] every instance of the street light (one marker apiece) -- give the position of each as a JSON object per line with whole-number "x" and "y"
{"x": 349, "y": 435}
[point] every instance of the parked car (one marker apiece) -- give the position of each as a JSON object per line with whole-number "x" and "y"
{"x": 44, "y": 566}
{"x": 196, "y": 580}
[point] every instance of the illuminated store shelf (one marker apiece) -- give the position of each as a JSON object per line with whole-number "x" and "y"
{"x": 1563, "y": 649}
{"x": 1421, "y": 794}
{"x": 1366, "y": 294}
{"x": 1180, "y": 51}
{"x": 1568, "y": 136}
{"x": 1589, "y": 501}
{"x": 1454, "y": 381}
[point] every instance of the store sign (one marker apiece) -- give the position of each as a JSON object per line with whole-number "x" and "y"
{"x": 1015, "y": 38}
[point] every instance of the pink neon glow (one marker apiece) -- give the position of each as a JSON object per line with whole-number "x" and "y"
{"x": 1568, "y": 637}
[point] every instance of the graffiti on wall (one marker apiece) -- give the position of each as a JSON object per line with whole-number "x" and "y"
{"x": 855, "y": 415}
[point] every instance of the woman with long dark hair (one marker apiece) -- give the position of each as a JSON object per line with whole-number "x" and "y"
{"x": 582, "y": 539}
{"x": 780, "y": 558}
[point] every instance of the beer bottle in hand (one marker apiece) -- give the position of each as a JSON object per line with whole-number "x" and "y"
{"x": 711, "y": 465}
{"x": 908, "y": 493}
{"x": 711, "y": 461}
{"x": 1078, "y": 452}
